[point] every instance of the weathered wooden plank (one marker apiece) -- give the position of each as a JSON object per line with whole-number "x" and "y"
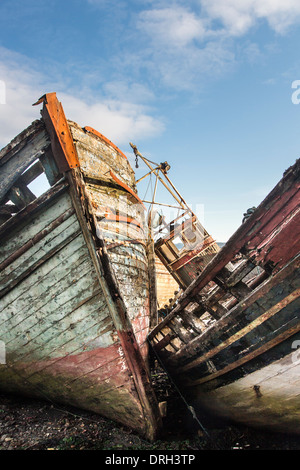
{"x": 32, "y": 173}
{"x": 184, "y": 334}
{"x": 38, "y": 330}
{"x": 243, "y": 331}
{"x": 31, "y": 304}
{"x": 49, "y": 166}
{"x": 236, "y": 314}
{"x": 114, "y": 399}
{"x": 52, "y": 285}
{"x": 100, "y": 364}
{"x": 277, "y": 407}
{"x": 61, "y": 261}
{"x": 117, "y": 199}
{"x": 190, "y": 321}
{"x": 23, "y": 229}
{"x": 81, "y": 328}
{"x": 97, "y": 158}
{"x": 14, "y": 281}
{"x": 16, "y": 165}
{"x": 129, "y": 263}
{"x": 282, "y": 244}
{"x": 38, "y": 250}
{"x": 284, "y": 207}
{"x": 239, "y": 290}
{"x": 209, "y": 302}
{"x": 62, "y": 144}
{"x": 267, "y": 335}
{"x": 20, "y": 141}
{"x": 238, "y": 273}
{"x": 30, "y": 211}
{"x": 53, "y": 309}
{"x": 132, "y": 262}
{"x": 19, "y": 253}
{"x": 75, "y": 291}
{"x": 244, "y": 359}
{"x": 6, "y": 212}
{"x": 20, "y": 195}
{"x": 87, "y": 362}
{"x": 70, "y": 267}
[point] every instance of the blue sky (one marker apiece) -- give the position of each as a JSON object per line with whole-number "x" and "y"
{"x": 203, "y": 84}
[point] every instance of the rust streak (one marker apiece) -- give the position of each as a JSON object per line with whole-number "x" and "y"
{"x": 106, "y": 140}
{"x": 127, "y": 188}
{"x": 62, "y": 144}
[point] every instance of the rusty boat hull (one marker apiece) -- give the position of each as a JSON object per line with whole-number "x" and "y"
{"x": 232, "y": 348}
{"x": 69, "y": 329}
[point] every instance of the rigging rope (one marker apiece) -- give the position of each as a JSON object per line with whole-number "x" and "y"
{"x": 189, "y": 407}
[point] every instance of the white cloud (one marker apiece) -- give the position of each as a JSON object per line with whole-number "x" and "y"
{"x": 182, "y": 48}
{"x": 120, "y": 121}
{"x": 193, "y": 66}
{"x": 187, "y": 45}
{"x": 179, "y": 25}
{"x": 174, "y": 25}
{"x": 22, "y": 89}
{"x": 114, "y": 115}
{"x": 134, "y": 92}
{"x": 239, "y": 16}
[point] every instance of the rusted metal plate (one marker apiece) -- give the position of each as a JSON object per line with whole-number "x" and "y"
{"x": 62, "y": 144}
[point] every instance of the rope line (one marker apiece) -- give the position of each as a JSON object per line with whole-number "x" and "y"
{"x": 189, "y": 407}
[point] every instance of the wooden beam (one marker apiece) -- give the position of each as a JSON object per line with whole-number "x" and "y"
{"x": 33, "y": 207}
{"x": 20, "y": 195}
{"x": 237, "y": 313}
{"x": 20, "y": 160}
{"x": 49, "y": 167}
{"x": 152, "y": 282}
{"x": 20, "y": 141}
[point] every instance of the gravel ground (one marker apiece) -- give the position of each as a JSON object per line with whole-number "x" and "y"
{"x": 29, "y": 424}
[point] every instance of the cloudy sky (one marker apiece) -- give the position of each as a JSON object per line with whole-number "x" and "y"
{"x": 211, "y": 86}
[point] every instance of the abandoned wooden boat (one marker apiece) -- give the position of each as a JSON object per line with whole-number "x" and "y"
{"x": 74, "y": 273}
{"x": 230, "y": 343}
